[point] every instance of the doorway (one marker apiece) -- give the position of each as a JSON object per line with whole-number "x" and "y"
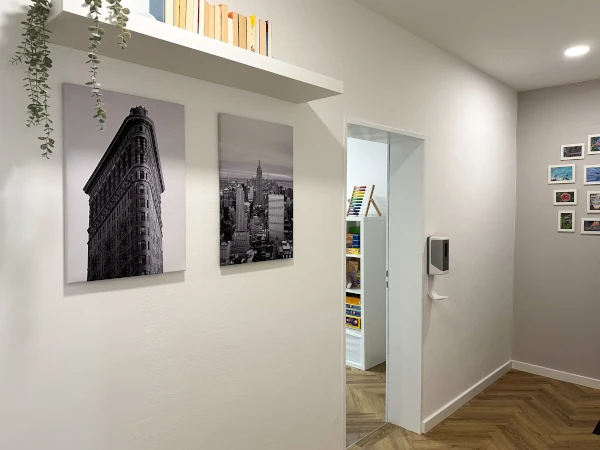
{"x": 385, "y": 283}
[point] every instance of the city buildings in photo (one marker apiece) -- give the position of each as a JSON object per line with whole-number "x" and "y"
{"x": 256, "y": 190}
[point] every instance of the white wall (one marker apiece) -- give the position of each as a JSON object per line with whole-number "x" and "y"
{"x": 367, "y": 164}
{"x": 181, "y": 360}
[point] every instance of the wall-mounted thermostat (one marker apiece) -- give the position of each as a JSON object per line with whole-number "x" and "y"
{"x": 438, "y": 255}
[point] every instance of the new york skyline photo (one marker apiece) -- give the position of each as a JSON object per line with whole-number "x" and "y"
{"x": 256, "y": 190}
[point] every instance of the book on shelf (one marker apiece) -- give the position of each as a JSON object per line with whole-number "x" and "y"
{"x": 269, "y": 38}
{"x": 234, "y": 28}
{"x": 210, "y": 20}
{"x": 195, "y": 14}
{"x": 262, "y": 37}
{"x": 243, "y": 34}
{"x": 169, "y": 8}
{"x": 224, "y": 14}
{"x": 218, "y": 23}
{"x": 252, "y": 33}
{"x": 182, "y": 13}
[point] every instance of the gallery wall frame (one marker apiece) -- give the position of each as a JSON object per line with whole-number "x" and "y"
{"x": 561, "y": 174}
{"x": 572, "y": 151}
{"x": 593, "y": 202}
{"x": 591, "y": 174}
{"x": 590, "y": 225}
{"x": 566, "y": 221}
{"x": 564, "y": 197}
{"x": 594, "y": 144}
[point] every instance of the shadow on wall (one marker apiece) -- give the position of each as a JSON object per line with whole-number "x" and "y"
{"x": 14, "y": 258}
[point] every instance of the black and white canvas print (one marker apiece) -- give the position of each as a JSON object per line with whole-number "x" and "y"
{"x": 124, "y": 187}
{"x": 256, "y": 190}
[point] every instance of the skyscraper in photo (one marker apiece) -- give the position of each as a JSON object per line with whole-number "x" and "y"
{"x": 276, "y": 217}
{"x": 259, "y": 186}
{"x": 125, "y": 225}
{"x": 240, "y": 215}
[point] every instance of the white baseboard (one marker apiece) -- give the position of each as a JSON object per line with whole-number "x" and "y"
{"x": 452, "y": 406}
{"x": 556, "y": 374}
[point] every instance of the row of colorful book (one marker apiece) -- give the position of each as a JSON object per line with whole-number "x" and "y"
{"x": 217, "y": 22}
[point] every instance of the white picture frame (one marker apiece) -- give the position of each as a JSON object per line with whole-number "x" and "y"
{"x": 585, "y": 229}
{"x": 560, "y": 173}
{"x": 556, "y": 194}
{"x": 560, "y": 221}
{"x": 593, "y": 139}
{"x": 579, "y": 154}
{"x": 591, "y": 177}
{"x": 596, "y": 195}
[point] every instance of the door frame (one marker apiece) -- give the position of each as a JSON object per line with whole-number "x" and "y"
{"x": 409, "y": 423}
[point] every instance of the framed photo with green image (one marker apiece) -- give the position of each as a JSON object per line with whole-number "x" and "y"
{"x": 566, "y": 221}
{"x": 565, "y": 197}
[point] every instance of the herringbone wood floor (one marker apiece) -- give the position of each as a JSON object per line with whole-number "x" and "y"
{"x": 519, "y": 412}
{"x": 365, "y": 402}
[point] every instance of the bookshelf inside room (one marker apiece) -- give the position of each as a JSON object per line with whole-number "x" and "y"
{"x": 366, "y": 297}
{"x": 162, "y": 46}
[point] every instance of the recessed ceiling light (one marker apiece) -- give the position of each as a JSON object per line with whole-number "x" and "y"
{"x": 578, "y": 50}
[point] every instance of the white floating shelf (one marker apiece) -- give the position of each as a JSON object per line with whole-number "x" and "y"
{"x": 156, "y": 44}
{"x": 353, "y": 332}
{"x": 353, "y": 291}
{"x": 348, "y": 255}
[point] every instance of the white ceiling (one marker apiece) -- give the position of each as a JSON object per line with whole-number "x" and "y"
{"x": 520, "y": 42}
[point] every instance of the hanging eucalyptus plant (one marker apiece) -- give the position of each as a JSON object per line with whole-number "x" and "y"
{"x": 35, "y": 53}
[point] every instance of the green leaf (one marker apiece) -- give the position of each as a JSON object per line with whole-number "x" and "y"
{"x": 125, "y": 11}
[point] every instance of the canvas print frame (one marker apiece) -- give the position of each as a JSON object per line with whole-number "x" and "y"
{"x": 591, "y": 174}
{"x": 593, "y": 143}
{"x": 571, "y": 192}
{"x": 561, "y": 223}
{"x": 593, "y": 196}
{"x": 256, "y": 186}
{"x": 572, "y": 151}
{"x": 586, "y": 229}
{"x": 557, "y": 176}
{"x": 125, "y": 206}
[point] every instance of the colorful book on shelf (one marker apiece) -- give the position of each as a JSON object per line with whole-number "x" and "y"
{"x": 353, "y": 322}
{"x": 353, "y": 251}
{"x": 182, "y": 13}
{"x": 193, "y": 17}
{"x": 352, "y": 299}
{"x": 353, "y": 312}
{"x": 209, "y": 20}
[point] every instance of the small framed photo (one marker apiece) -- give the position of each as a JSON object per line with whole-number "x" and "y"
{"x": 594, "y": 144}
{"x": 566, "y": 221}
{"x": 591, "y": 174}
{"x": 572, "y": 151}
{"x": 593, "y": 202}
{"x": 590, "y": 226}
{"x": 561, "y": 174}
{"x": 565, "y": 197}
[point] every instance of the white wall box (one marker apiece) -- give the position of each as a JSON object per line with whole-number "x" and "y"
{"x": 365, "y": 348}
{"x": 156, "y": 44}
